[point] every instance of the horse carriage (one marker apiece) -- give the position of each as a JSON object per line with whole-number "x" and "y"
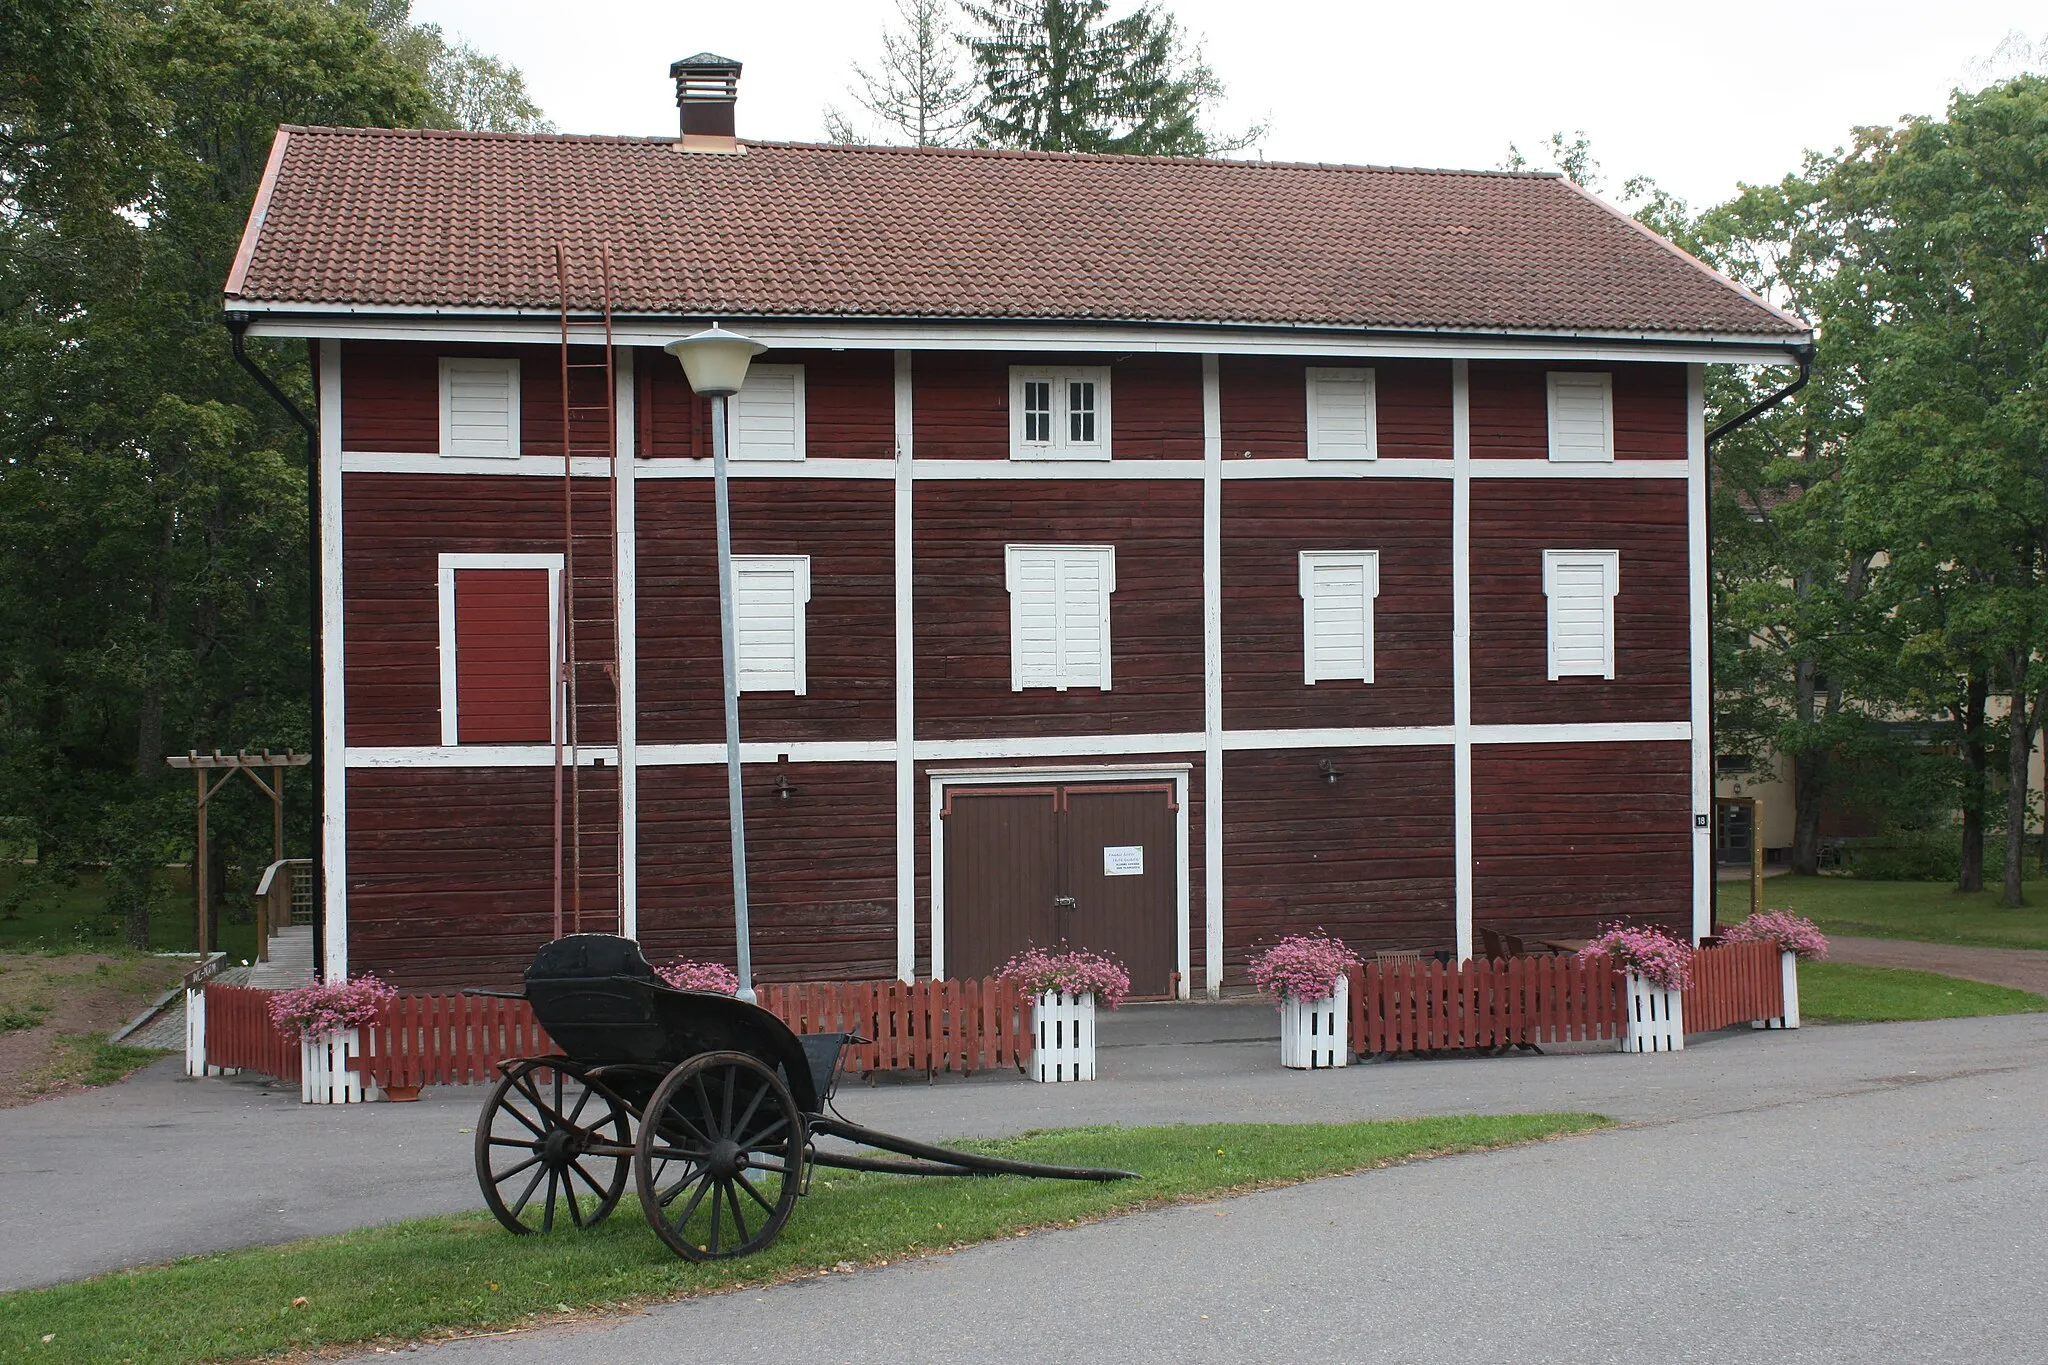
{"x": 711, "y": 1105}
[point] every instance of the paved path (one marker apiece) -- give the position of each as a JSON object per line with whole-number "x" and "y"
{"x": 1885, "y": 1219}
{"x": 163, "y": 1166}
{"x": 2024, "y": 969}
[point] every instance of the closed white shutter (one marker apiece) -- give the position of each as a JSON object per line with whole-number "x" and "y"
{"x": 1581, "y": 417}
{"x": 1337, "y": 592}
{"x": 1342, "y": 417}
{"x": 768, "y": 414}
{"x": 1059, "y": 615}
{"x": 479, "y": 407}
{"x": 769, "y": 593}
{"x": 1580, "y": 587}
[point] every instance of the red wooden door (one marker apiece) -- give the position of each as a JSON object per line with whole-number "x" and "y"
{"x": 1081, "y": 865}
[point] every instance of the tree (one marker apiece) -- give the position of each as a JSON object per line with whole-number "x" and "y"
{"x": 1059, "y": 76}
{"x": 917, "y": 89}
{"x": 468, "y": 89}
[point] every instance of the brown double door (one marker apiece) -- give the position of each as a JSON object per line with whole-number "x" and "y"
{"x": 1087, "y": 865}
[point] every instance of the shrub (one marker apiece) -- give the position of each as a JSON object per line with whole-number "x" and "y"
{"x": 1070, "y": 971}
{"x": 1305, "y": 966}
{"x": 687, "y": 974}
{"x": 324, "y": 1007}
{"x": 1793, "y": 933}
{"x": 1649, "y": 952}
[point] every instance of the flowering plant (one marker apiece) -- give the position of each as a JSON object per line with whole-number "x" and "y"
{"x": 1071, "y": 971}
{"x": 1646, "y": 950}
{"x": 1793, "y": 933}
{"x": 324, "y": 1007}
{"x": 686, "y": 974}
{"x": 1305, "y": 966}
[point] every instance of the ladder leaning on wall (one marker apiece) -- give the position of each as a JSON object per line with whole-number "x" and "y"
{"x": 589, "y": 834}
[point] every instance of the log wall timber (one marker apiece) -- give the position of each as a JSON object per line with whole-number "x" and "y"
{"x": 1265, "y": 407}
{"x": 846, "y": 527}
{"x": 1569, "y": 837}
{"x": 391, "y": 396}
{"x": 1511, "y": 410}
{"x": 963, "y": 607}
{"x": 821, "y": 868}
{"x": 1266, "y": 526}
{"x": 397, "y": 527}
{"x": 1367, "y": 858}
{"x": 961, "y": 404}
{"x": 1513, "y": 522}
{"x": 849, "y": 405}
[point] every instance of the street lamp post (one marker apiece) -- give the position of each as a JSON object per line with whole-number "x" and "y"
{"x": 715, "y": 362}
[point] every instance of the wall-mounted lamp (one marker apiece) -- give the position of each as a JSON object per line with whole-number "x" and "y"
{"x": 783, "y": 789}
{"x": 1330, "y": 771}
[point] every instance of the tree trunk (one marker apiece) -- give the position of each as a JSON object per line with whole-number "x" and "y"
{"x": 1809, "y": 778}
{"x": 2019, "y": 748}
{"x": 1976, "y": 779}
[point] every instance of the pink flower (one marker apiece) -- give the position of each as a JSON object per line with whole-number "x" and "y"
{"x": 1305, "y": 966}
{"x": 1793, "y": 933}
{"x": 687, "y": 975}
{"x": 322, "y": 1008}
{"x": 1071, "y": 971}
{"x": 1649, "y": 952}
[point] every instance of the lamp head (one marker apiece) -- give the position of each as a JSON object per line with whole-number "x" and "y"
{"x": 715, "y": 360}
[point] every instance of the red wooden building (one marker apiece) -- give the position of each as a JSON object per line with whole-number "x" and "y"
{"x": 1159, "y": 554}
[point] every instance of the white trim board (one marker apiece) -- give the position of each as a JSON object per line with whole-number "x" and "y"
{"x": 1212, "y": 677}
{"x": 334, "y": 758}
{"x": 450, "y": 564}
{"x": 904, "y": 470}
{"x": 1462, "y": 856}
{"x": 1702, "y": 678}
{"x": 625, "y": 597}
{"x": 1176, "y": 773}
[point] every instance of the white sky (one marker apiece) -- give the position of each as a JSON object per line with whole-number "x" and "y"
{"x": 1701, "y": 97}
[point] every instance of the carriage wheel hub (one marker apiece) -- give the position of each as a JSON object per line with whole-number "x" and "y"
{"x": 725, "y": 1159}
{"x": 558, "y": 1147}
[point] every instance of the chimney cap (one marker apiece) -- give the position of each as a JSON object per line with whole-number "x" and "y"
{"x": 704, "y": 61}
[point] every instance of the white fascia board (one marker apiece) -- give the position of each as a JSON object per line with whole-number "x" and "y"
{"x": 472, "y": 325}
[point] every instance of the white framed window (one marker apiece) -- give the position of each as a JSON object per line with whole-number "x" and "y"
{"x": 1337, "y": 592}
{"x": 1059, "y": 414}
{"x": 770, "y": 593}
{"x": 1580, "y": 587}
{"x": 1059, "y": 614}
{"x": 501, "y": 640}
{"x": 768, "y": 414}
{"x": 1343, "y": 415}
{"x": 1581, "y": 417}
{"x": 479, "y": 407}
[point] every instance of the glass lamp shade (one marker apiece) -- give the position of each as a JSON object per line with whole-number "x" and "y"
{"x": 715, "y": 360}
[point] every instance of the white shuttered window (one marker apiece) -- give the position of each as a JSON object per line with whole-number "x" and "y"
{"x": 769, "y": 594}
{"x": 1337, "y": 592}
{"x": 1581, "y": 417}
{"x": 1342, "y": 415}
{"x": 1059, "y": 414}
{"x": 479, "y": 407}
{"x": 1059, "y": 614}
{"x": 1580, "y": 586}
{"x": 768, "y": 414}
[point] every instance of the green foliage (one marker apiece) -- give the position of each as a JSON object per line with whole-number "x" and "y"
{"x": 1925, "y": 912}
{"x": 1843, "y": 993}
{"x": 438, "y": 1275}
{"x": 1060, "y": 76}
{"x": 16, "y": 1018}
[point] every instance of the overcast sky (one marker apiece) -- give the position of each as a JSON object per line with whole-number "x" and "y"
{"x": 1700, "y": 97}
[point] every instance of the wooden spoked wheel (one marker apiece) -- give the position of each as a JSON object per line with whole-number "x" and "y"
{"x": 720, "y": 1158}
{"x": 549, "y": 1148}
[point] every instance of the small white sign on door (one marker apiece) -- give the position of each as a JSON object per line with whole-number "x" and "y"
{"x": 1124, "y": 861}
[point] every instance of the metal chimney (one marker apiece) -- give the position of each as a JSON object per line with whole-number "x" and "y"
{"x": 707, "y": 88}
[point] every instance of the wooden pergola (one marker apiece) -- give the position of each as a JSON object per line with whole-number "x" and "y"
{"x": 242, "y": 761}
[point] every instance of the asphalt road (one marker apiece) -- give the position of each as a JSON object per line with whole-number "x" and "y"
{"x": 163, "y": 1166}
{"x": 1893, "y": 1217}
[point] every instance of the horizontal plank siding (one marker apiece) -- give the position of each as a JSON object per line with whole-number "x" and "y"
{"x": 1264, "y": 406}
{"x": 1511, "y": 409}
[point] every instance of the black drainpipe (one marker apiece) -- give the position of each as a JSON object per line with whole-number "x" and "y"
{"x": 238, "y": 324}
{"x": 1746, "y": 416}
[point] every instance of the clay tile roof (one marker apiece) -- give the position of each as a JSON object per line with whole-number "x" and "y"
{"x": 374, "y": 217}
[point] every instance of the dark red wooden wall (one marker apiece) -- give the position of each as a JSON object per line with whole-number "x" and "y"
{"x": 504, "y": 666}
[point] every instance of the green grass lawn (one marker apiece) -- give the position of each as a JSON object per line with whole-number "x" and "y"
{"x": 1843, "y": 992}
{"x": 1929, "y": 912}
{"x": 463, "y": 1273}
{"x": 75, "y": 919}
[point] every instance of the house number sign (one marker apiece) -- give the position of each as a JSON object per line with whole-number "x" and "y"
{"x": 1126, "y": 860}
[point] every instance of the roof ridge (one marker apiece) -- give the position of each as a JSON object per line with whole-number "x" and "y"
{"x": 891, "y": 149}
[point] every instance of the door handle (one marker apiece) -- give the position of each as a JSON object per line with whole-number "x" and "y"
{"x": 1063, "y": 902}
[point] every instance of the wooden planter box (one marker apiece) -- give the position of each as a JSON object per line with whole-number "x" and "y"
{"x": 1065, "y": 1043}
{"x": 326, "y": 1071}
{"x": 1656, "y": 1017}
{"x": 1316, "y": 1034}
{"x": 1788, "y": 963}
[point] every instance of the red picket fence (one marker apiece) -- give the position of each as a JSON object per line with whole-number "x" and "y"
{"x": 920, "y": 1026}
{"x": 1734, "y": 984}
{"x": 1403, "y": 1005}
{"x": 239, "y": 1033}
{"x": 450, "y": 1039}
